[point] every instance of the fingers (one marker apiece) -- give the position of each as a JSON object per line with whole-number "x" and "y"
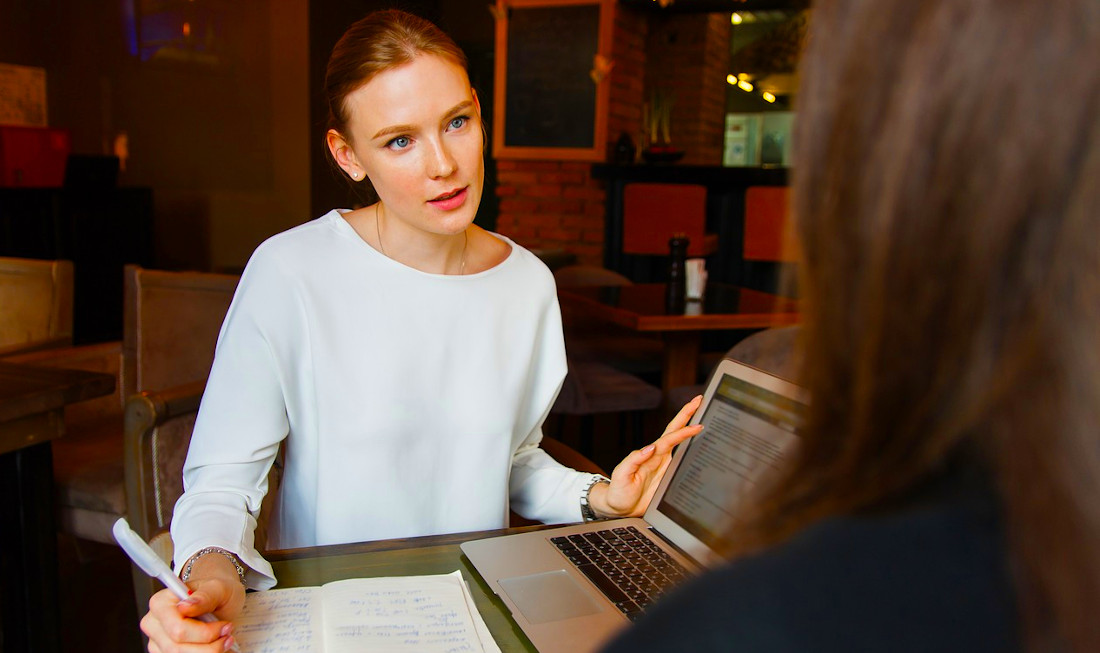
{"x": 669, "y": 440}
{"x": 684, "y": 416}
{"x": 171, "y": 623}
{"x": 655, "y": 452}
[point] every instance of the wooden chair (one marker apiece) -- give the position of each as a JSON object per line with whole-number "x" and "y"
{"x": 171, "y": 325}
{"x": 87, "y": 461}
{"x": 653, "y": 213}
{"x": 587, "y": 339}
{"x": 36, "y": 304}
{"x": 604, "y": 363}
{"x": 769, "y": 248}
{"x": 773, "y": 350}
{"x": 170, "y": 328}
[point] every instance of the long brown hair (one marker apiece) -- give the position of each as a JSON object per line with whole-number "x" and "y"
{"x": 946, "y": 193}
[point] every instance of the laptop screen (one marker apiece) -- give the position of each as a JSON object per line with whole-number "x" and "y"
{"x": 747, "y": 431}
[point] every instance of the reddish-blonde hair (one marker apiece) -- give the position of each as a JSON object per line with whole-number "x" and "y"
{"x": 375, "y": 43}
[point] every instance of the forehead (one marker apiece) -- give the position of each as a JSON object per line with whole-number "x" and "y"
{"x": 418, "y": 92}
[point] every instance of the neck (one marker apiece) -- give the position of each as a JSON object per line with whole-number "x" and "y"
{"x": 432, "y": 253}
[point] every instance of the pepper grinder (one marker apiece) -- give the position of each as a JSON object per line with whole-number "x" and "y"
{"x": 675, "y": 290}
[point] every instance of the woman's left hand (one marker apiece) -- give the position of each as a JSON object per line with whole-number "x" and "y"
{"x": 636, "y": 478}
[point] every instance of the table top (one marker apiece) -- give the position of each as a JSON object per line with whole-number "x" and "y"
{"x": 31, "y": 399}
{"x": 435, "y": 554}
{"x": 29, "y": 390}
{"x": 642, "y": 307}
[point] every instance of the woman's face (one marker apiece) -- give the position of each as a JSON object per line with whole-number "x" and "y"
{"x": 416, "y": 132}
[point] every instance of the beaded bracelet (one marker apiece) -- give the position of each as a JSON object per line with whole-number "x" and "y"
{"x": 213, "y": 549}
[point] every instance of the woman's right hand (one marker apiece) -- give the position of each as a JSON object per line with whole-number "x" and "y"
{"x": 171, "y": 622}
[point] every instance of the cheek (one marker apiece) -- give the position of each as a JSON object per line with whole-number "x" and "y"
{"x": 393, "y": 180}
{"x": 473, "y": 158}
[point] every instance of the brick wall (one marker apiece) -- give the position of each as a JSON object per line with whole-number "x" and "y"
{"x": 688, "y": 55}
{"x": 557, "y": 204}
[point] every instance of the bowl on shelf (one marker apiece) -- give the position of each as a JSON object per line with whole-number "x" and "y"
{"x": 662, "y": 154}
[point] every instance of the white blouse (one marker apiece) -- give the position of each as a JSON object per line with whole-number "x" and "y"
{"x": 411, "y": 403}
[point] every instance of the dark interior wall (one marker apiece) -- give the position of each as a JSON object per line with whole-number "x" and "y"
{"x": 217, "y": 141}
{"x": 469, "y": 22}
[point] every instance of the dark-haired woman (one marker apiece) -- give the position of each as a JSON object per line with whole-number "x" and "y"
{"x": 947, "y": 492}
{"x": 406, "y": 357}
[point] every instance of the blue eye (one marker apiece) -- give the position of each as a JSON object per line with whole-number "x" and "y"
{"x": 459, "y": 122}
{"x": 400, "y": 143}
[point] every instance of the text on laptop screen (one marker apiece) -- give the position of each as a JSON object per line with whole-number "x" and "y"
{"x": 747, "y": 431}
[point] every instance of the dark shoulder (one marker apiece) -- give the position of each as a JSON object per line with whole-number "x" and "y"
{"x": 930, "y": 576}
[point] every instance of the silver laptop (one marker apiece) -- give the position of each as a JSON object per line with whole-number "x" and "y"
{"x": 571, "y": 588}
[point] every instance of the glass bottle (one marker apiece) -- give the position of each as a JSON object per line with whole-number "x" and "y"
{"x": 676, "y": 289}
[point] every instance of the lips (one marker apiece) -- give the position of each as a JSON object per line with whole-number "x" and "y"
{"x": 450, "y": 200}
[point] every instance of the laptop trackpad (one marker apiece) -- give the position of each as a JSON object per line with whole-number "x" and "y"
{"x": 549, "y": 596}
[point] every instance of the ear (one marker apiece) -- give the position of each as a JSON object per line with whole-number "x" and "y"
{"x": 343, "y": 154}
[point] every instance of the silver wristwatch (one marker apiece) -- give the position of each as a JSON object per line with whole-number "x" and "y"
{"x": 586, "y": 508}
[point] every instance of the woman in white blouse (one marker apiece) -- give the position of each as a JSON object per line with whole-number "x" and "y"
{"x": 407, "y": 357}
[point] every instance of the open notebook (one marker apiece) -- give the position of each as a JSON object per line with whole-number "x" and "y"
{"x": 411, "y": 613}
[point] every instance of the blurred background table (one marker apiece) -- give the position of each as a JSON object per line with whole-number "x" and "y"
{"x": 32, "y": 400}
{"x": 642, "y": 307}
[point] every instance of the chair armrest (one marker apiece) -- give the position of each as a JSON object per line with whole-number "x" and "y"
{"x": 146, "y": 414}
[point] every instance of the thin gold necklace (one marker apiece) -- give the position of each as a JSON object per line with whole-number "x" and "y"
{"x": 378, "y": 232}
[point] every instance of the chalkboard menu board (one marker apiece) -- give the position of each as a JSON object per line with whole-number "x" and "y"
{"x": 549, "y": 104}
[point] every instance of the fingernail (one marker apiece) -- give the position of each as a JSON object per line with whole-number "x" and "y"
{"x": 649, "y": 449}
{"x": 191, "y": 600}
{"x": 227, "y": 630}
{"x": 228, "y": 644}
{"x": 190, "y": 592}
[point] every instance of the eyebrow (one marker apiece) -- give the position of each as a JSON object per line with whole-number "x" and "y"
{"x": 398, "y": 129}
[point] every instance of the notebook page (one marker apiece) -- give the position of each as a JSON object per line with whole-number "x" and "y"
{"x": 280, "y": 621}
{"x": 414, "y": 613}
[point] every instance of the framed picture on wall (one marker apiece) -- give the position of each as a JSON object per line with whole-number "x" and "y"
{"x": 551, "y": 79}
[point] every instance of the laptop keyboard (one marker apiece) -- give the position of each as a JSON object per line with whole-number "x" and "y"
{"x": 625, "y": 565}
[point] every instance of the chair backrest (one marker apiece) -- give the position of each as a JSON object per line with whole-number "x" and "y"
{"x": 773, "y": 350}
{"x": 653, "y": 213}
{"x": 768, "y": 235}
{"x": 171, "y": 326}
{"x": 36, "y": 304}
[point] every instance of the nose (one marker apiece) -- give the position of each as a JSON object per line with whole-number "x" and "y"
{"x": 440, "y": 162}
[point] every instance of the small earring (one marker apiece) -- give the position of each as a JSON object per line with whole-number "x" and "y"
{"x": 355, "y": 176}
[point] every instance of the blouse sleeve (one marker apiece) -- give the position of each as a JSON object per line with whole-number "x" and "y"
{"x": 541, "y": 488}
{"x": 241, "y": 421}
